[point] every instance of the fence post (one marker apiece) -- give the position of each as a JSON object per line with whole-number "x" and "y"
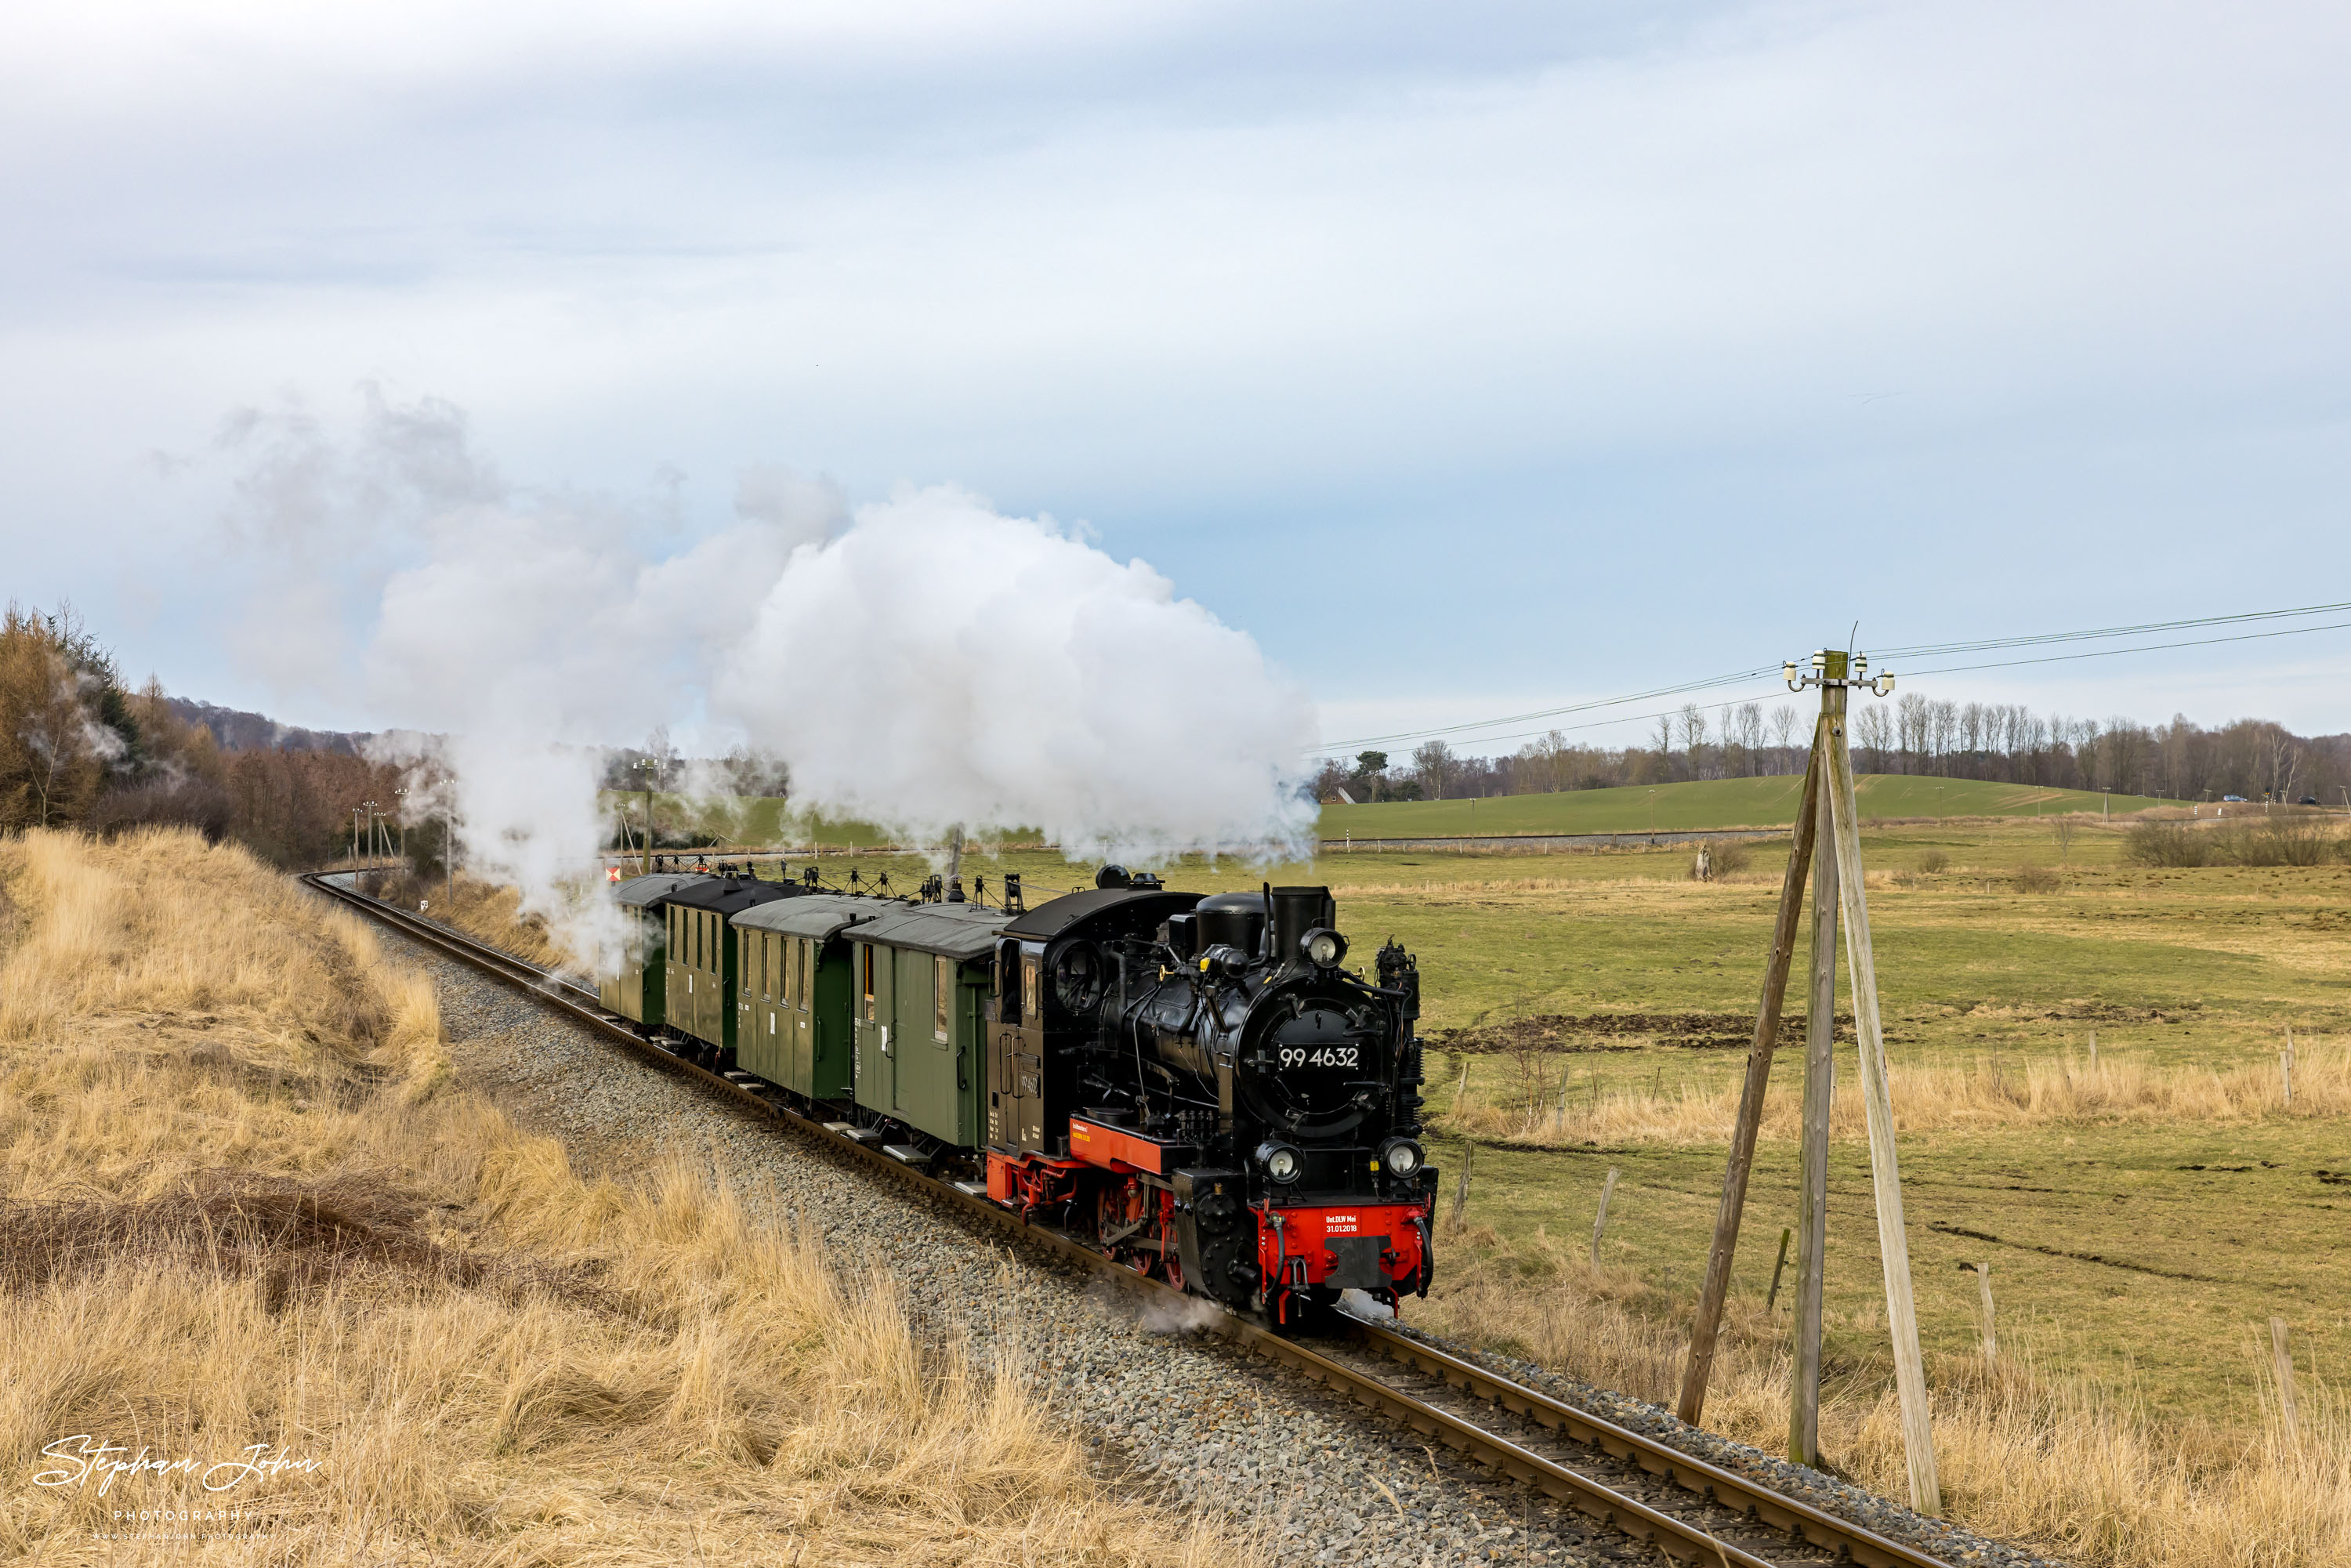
{"x": 1461, "y": 1187}
{"x": 2283, "y": 1360}
{"x": 2094, "y": 1050}
{"x": 1991, "y": 1338}
{"x": 1772, "y": 1299}
{"x": 2286, "y": 1069}
{"x": 1600, "y": 1220}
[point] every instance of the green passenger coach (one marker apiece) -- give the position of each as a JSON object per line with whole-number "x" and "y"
{"x": 921, "y": 974}
{"x": 792, "y": 1008}
{"x": 636, "y": 987}
{"x": 700, "y": 975}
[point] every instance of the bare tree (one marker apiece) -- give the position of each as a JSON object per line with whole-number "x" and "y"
{"x": 1784, "y": 733}
{"x": 1874, "y": 732}
{"x": 1693, "y": 726}
{"x": 1435, "y": 762}
{"x": 1910, "y": 719}
{"x": 1743, "y": 727}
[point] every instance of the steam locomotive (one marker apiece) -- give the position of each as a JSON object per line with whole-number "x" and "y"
{"x": 1198, "y": 1084}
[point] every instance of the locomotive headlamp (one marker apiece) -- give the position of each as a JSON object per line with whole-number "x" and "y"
{"x": 1280, "y": 1161}
{"x": 1324, "y": 946}
{"x": 1402, "y": 1156}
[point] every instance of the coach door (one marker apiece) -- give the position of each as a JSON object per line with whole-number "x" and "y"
{"x": 877, "y": 1073}
{"x": 1016, "y": 1067}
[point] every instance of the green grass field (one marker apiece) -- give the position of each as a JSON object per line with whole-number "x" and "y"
{"x": 1710, "y": 803}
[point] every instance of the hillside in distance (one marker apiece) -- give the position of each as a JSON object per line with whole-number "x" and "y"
{"x": 1706, "y": 803}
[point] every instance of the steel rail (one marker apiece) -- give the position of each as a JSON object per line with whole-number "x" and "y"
{"x": 1678, "y": 1537}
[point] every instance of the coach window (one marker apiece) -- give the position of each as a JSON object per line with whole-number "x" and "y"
{"x": 868, "y": 951}
{"x": 808, "y": 963}
{"x": 942, "y": 988}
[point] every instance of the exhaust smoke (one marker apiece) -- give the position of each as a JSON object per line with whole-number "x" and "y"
{"x": 925, "y": 663}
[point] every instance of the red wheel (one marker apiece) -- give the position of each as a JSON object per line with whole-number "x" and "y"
{"x": 1173, "y": 1269}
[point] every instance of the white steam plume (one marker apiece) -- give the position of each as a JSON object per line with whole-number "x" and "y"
{"x": 939, "y": 664}
{"x": 925, "y": 663}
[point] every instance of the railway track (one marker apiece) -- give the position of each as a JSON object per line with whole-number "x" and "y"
{"x": 1693, "y": 1510}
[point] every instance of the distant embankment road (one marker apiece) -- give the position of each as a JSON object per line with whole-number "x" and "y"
{"x": 1550, "y": 841}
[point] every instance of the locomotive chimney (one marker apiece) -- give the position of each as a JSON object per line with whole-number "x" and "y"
{"x": 1297, "y": 910}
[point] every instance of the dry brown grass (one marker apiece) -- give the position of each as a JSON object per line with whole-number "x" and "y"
{"x": 2021, "y": 1456}
{"x": 490, "y": 911}
{"x": 243, "y": 1205}
{"x": 1984, "y": 1094}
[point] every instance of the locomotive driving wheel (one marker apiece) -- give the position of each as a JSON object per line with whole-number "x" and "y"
{"x": 1118, "y": 1217}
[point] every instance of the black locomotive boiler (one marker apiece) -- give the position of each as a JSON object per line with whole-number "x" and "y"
{"x": 1203, "y": 1083}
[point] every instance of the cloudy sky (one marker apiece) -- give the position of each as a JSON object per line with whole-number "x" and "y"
{"x": 1474, "y": 359}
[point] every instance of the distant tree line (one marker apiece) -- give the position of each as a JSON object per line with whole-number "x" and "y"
{"x": 657, "y": 765}
{"x": 79, "y": 749}
{"x": 1913, "y": 734}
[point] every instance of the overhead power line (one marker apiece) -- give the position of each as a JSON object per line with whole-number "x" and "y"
{"x": 1885, "y": 659}
{"x": 1940, "y": 650}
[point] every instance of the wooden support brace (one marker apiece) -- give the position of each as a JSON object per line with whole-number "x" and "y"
{"x": 1877, "y": 1105}
{"x": 1708, "y": 1327}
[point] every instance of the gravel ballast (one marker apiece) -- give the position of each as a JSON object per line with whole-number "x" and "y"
{"x": 1199, "y": 1423}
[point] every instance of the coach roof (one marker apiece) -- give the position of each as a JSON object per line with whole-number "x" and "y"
{"x": 950, "y": 930}
{"x": 644, "y": 892}
{"x": 821, "y": 916}
{"x": 732, "y": 895}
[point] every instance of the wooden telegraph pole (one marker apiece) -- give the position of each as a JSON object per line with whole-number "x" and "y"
{"x": 1827, "y": 841}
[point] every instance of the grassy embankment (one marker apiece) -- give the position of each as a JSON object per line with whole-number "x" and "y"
{"x": 242, "y": 1202}
{"x": 1709, "y": 804}
{"x": 1713, "y": 803}
{"x": 2143, "y": 1219}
